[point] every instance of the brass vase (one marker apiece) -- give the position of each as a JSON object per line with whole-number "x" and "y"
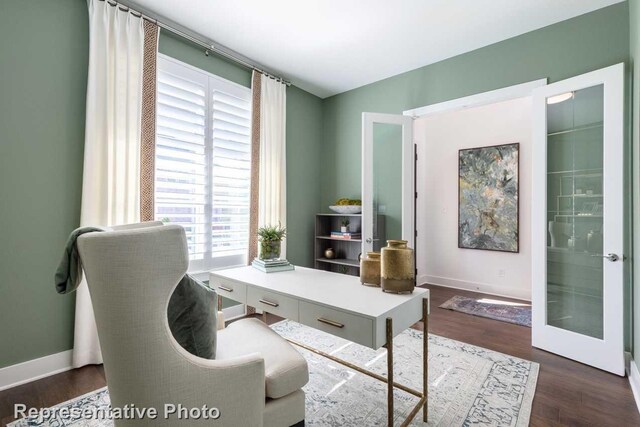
{"x": 397, "y": 267}
{"x": 370, "y": 269}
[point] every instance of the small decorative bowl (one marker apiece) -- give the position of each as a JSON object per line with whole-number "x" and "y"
{"x": 346, "y": 209}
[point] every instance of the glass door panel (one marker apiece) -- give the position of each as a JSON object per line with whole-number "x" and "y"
{"x": 575, "y": 211}
{"x": 387, "y": 183}
{"x": 388, "y": 195}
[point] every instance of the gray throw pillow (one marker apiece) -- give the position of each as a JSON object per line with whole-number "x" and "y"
{"x": 193, "y": 317}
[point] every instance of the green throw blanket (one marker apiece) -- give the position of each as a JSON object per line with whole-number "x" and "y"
{"x": 69, "y": 272}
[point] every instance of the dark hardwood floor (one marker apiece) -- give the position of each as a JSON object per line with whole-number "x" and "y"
{"x": 568, "y": 393}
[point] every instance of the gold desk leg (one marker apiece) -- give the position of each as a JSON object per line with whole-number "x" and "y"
{"x": 389, "y": 371}
{"x": 425, "y": 359}
{"x": 264, "y": 316}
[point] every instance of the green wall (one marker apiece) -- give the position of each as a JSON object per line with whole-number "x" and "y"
{"x": 634, "y": 50}
{"x": 43, "y": 76}
{"x": 304, "y": 173}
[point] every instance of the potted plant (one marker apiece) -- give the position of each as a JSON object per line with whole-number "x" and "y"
{"x": 345, "y": 225}
{"x": 270, "y": 237}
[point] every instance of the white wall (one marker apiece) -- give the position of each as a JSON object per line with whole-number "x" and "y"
{"x": 439, "y": 260}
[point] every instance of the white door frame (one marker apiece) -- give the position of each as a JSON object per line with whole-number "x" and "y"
{"x": 408, "y": 172}
{"x": 608, "y": 353}
{"x": 508, "y": 93}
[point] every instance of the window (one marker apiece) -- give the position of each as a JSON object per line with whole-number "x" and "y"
{"x": 203, "y": 160}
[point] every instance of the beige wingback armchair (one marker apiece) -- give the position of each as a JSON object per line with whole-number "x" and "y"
{"x": 256, "y": 378}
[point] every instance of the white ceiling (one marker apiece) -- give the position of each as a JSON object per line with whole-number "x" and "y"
{"x": 331, "y": 46}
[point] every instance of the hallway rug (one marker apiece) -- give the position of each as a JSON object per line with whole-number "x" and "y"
{"x": 505, "y": 311}
{"x": 468, "y": 385}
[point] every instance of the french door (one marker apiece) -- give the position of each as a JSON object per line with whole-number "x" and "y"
{"x": 578, "y": 218}
{"x": 388, "y": 183}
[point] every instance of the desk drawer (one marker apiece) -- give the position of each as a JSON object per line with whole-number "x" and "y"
{"x": 231, "y": 290}
{"x": 342, "y": 324}
{"x": 272, "y": 302}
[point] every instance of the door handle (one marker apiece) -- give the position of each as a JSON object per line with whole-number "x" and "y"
{"x": 608, "y": 257}
{"x": 369, "y": 240}
{"x": 224, "y": 288}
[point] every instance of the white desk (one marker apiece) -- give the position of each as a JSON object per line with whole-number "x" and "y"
{"x": 337, "y": 304}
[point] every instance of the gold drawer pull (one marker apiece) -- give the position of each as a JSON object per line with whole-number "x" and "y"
{"x": 224, "y": 288}
{"x": 331, "y": 322}
{"x": 272, "y": 304}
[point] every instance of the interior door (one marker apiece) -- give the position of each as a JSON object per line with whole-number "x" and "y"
{"x": 388, "y": 186}
{"x": 577, "y": 219}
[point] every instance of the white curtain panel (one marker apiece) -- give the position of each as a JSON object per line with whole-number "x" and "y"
{"x": 111, "y": 177}
{"x": 273, "y": 155}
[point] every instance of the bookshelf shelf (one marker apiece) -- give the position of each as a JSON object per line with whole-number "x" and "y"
{"x": 590, "y": 126}
{"x": 341, "y": 261}
{"x": 347, "y": 251}
{"x": 339, "y": 239}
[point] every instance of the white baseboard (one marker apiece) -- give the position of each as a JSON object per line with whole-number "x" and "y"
{"x": 634, "y": 381}
{"x": 486, "y": 288}
{"x": 31, "y": 370}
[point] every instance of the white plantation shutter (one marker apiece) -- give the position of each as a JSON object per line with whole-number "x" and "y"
{"x": 181, "y": 166}
{"x": 231, "y": 173}
{"x": 203, "y": 162}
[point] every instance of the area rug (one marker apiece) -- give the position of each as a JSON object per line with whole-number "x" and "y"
{"x": 505, "y": 311}
{"x": 468, "y": 385}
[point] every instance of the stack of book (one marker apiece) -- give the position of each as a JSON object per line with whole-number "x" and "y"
{"x": 346, "y": 236}
{"x": 271, "y": 265}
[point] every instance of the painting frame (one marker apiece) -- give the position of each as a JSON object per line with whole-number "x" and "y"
{"x": 516, "y": 229}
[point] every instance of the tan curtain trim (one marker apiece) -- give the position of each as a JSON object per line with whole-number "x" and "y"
{"x": 256, "y": 87}
{"x": 148, "y": 123}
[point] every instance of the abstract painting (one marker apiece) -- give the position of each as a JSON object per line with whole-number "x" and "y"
{"x": 488, "y": 198}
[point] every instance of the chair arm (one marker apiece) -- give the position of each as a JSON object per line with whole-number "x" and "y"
{"x": 220, "y": 320}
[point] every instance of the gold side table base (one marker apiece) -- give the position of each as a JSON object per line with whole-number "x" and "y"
{"x": 423, "y": 402}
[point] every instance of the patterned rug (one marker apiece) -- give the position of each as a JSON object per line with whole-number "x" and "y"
{"x": 505, "y": 311}
{"x": 468, "y": 385}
